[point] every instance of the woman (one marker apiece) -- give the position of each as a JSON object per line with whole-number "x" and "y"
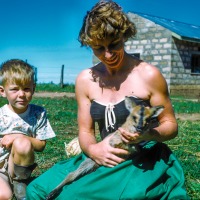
{"x": 154, "y": 172}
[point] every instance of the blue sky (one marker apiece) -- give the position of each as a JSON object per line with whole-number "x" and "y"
{"x": 45, "y": 32}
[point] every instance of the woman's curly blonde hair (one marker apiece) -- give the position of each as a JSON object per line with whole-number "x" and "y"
{"x": 105, "y": 19}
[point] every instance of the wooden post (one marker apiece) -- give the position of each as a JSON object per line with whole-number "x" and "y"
{"x": 35, "y": 69}
{"x": 35, "y": 72}
{"x": 61, "y": 77}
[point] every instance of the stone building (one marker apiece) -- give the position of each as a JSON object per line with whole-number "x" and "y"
{"x": 173, "y": 47}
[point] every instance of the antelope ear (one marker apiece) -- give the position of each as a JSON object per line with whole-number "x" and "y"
{"x": 156, "y": 110}
{"x": 129, "y": 104}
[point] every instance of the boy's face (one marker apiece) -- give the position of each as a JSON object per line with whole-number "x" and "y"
{"x": 18, "y": 96}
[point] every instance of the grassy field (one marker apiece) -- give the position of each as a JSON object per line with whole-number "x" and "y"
{"x": 62, "y": 113}
{"x": 51, "y": 87}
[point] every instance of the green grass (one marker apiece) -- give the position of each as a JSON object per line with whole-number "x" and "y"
{"x": 62, "y": 114}
{"x": 51, "y": 87}
{"x": 186, "y": 147}
{"x": 185, "y": 106}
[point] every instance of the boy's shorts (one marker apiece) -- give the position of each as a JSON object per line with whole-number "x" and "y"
{"x": 4, "y": 171}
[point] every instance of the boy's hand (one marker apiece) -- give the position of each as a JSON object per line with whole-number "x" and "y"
{"x": 8, "y": 139}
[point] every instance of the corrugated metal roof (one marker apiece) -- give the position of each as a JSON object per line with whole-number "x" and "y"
{"x": 181, "y": 30}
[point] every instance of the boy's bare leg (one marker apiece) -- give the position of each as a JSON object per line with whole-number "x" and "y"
{"x": 21, "y": 165}
{"x": 5, "y": 189}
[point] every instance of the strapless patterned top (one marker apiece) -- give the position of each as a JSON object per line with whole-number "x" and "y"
{"x": 111, "y": 116}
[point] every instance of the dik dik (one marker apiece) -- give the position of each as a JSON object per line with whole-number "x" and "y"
{"x": 137, "y": 121}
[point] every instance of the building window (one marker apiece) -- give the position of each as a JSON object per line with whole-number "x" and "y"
{"x": 137, "y": 55}
{"x": 195, "y": 63}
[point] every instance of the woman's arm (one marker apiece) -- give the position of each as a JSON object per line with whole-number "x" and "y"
{"x": 155, "y": 87}
{"x": 168, "y": 127}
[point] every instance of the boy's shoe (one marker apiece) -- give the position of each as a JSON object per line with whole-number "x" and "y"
{"x": 20, "y": 181}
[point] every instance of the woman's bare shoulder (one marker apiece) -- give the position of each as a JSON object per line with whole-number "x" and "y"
{"x": 84, "y": 75}
{"x": 149, "y": 71}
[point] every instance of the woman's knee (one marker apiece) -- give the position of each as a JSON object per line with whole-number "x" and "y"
{"x": 28, "y": 191}
{"x": 32, "y": 192}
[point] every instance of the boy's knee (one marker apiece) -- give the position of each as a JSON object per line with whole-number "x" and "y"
{"x": 22, "y": 145}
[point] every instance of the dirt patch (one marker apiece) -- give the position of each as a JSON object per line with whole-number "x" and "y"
{"x": 188, "y": 117}
{"x": 54, "y": 94}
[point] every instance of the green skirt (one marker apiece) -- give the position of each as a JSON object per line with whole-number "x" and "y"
{"x": 154, "y": 173}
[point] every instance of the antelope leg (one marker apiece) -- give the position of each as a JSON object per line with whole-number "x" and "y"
{"x": 85, "y": 167}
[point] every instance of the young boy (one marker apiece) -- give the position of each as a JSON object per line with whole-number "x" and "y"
{"x": 24, "y": 128}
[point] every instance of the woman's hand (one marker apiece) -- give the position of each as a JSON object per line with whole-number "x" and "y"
{"x": 133, "y": 138}
{"x": 103, "y": 154}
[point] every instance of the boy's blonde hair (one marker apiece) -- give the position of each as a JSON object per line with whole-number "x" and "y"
{"x": 16, "y": 71}
{"x": 106, "y": 19}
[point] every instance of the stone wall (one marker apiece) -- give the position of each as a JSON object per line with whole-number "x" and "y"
{"x": 186, "y": 90}
{"x": 183, "y": 81}
{"x": 172, "y": 56}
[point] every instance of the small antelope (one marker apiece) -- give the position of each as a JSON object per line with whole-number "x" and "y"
{"x": 137, "y": 121}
